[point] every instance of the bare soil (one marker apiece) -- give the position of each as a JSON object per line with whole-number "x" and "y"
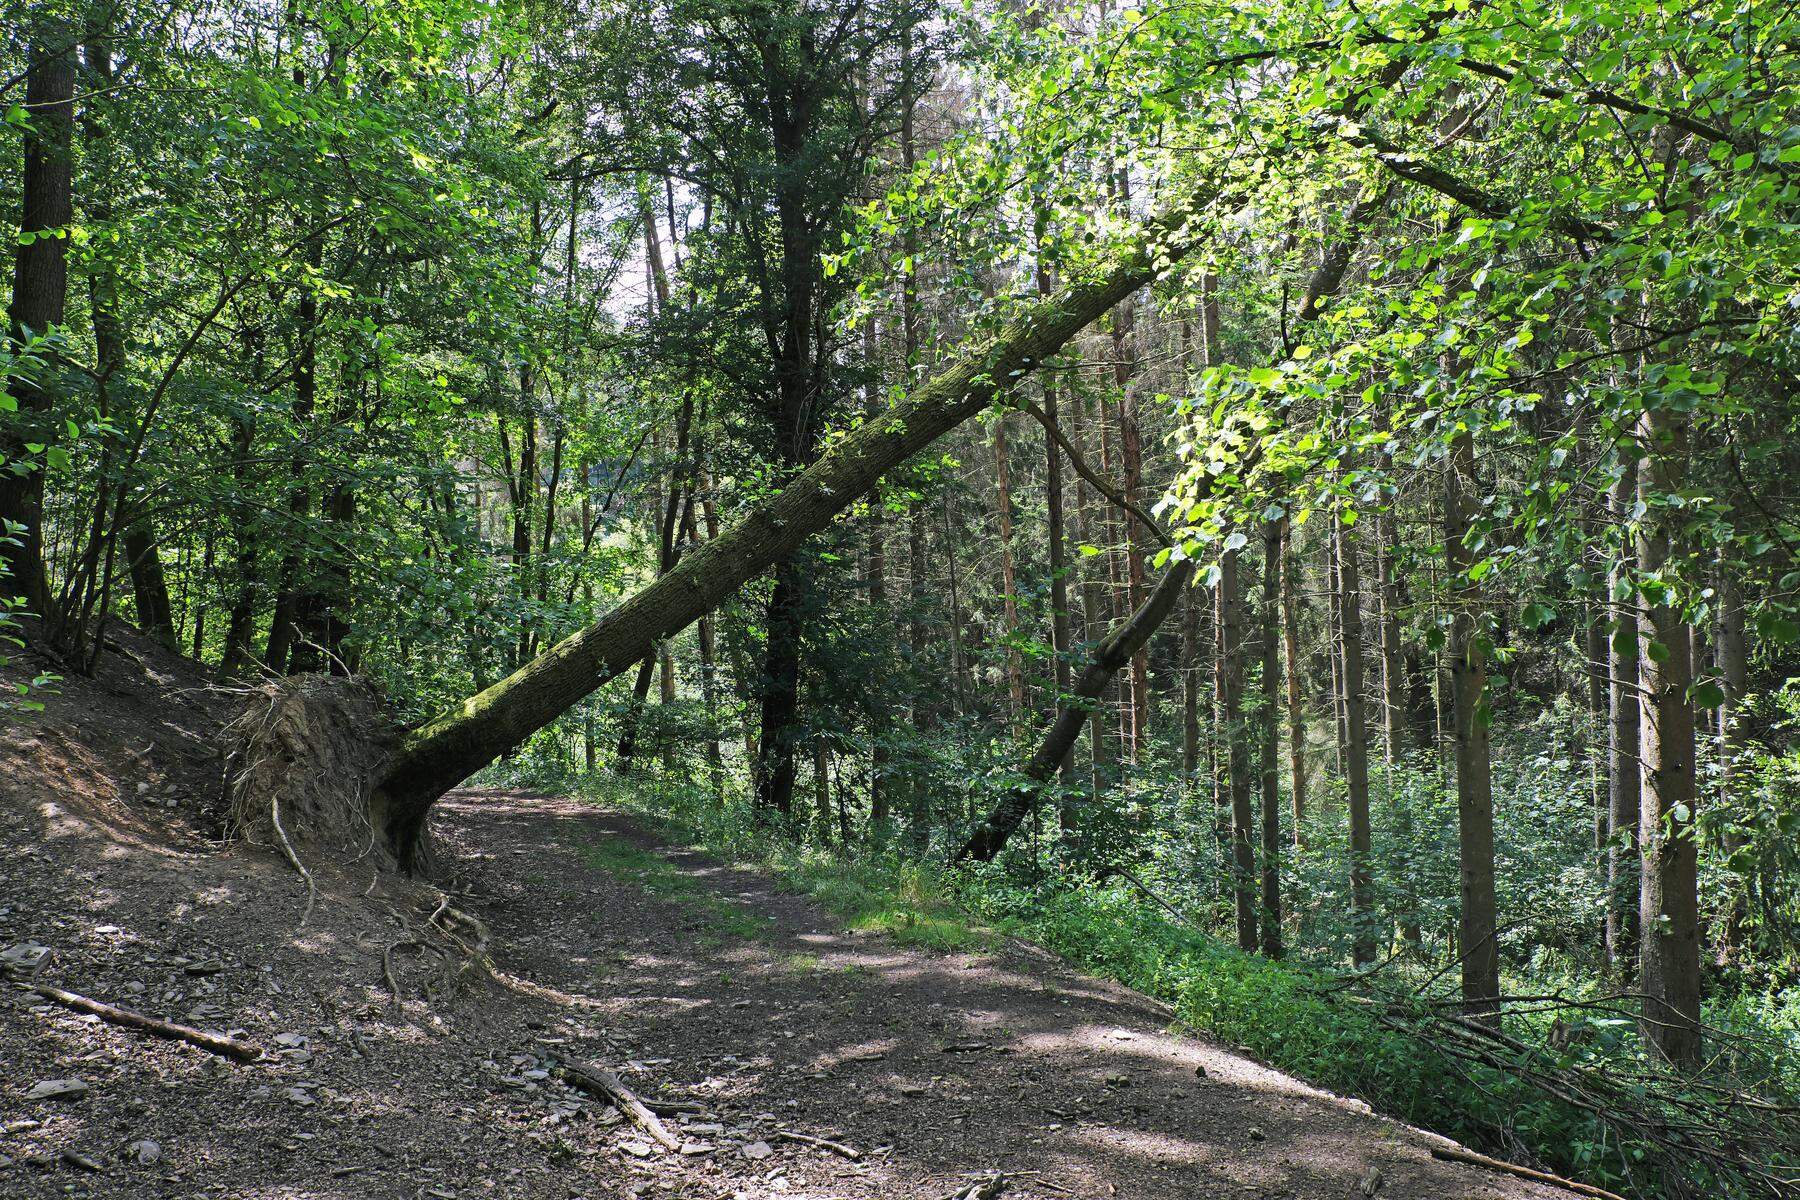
{"x": 937, "y": 1070}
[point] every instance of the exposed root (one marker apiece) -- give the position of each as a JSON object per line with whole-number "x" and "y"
{"x": 293, "y": 857}
{"x": 299, "y": 768}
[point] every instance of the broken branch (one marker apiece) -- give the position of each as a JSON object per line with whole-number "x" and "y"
{"x": 598, "y": 1081}
{"x": 112, "y": 1014}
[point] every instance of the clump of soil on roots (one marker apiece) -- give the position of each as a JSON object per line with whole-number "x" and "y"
{"x": 301, "y": 758}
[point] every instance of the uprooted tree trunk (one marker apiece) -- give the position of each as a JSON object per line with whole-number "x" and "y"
{"x": 435, "y": 757}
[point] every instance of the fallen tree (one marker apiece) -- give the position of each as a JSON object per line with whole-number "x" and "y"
{"x": 435, "y": 757}
{"x": 1109, "y": 657}
{"x": 991, "y": 835}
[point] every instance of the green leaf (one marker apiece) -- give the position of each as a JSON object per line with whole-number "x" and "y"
{"x": 1707, "y": 695}
{"x": 1779, "y": 630}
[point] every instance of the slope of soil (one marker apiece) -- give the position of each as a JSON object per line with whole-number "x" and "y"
{"x": 697, "y": 982}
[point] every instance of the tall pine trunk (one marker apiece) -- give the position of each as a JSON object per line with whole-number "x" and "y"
{"x": 1355, "y": 746}
{"x": 1623, "y": 782}
{"x": 1668, "y": 896}
{"x": 1296, "y": 696}
{"x": 1243, "y": 830}
{"x": 1269, "y": 738}
{"x": 1477, "y": 930}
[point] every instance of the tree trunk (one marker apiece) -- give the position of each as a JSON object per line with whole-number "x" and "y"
{"x": 1296, "y": 699}
{"x": 1623, "y": 791}
{"x": 1118, "y": 697}
{"x": 449, "y": 748}
{"x": 1136, "y": 717}
{"x": 1393, "y": 667}
{"x": 1356, "y": 746}
{"x": 1243, "y": 832}
{"x": 1668, "y": 906}
{"x": 1268, "y": 727}
{"x": 878, "y": 600}
{"x": 1093, "y": 609}
{"x": 1477, "y": 928}
{"x": 1733, "y": 735}
{"x": 283, "y": 647}
{"x": 1111, "y": 655}
{"x": 781, "y": 691}
{"x": 1190, "y": 690}
{"x": 1015, "y": 669}
{"x": 149, "y": 586}
{"x": 39, "y": 296}
{"x": 1054, "y": 530}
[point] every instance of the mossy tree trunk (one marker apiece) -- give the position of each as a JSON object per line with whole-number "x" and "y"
{"x": 448, "y": 749}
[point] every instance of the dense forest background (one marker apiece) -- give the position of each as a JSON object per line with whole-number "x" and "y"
{"x": 1398, "y": 583}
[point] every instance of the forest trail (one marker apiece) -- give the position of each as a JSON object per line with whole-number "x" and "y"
{"x": 698, "y": 982}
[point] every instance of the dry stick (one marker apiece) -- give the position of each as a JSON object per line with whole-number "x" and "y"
{"x": 670, "y": 1108}
{"x": 602, "y": 1082}
{"x": 217, "y": 1043}
{"x": 1145, "y": 888}
{"x": 806, "y": 1139}
{"x": 1459, "y": 1155}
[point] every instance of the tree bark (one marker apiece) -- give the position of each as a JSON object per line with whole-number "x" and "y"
{"x": 1393, "y": 667}
{"x": 1733, "y": 734}
{"x": 1623, "y": 790}
{"x": 1109, "y": 658}
{"x": 1268, "y": 728}
{"x": 1477, "y": 927}
{"x": 1296, "y": 699}
{"x": 1243, "y": 831}
{"x": 1668, "y": 896}
{"x": 1093, "y": 613}
{"x": 1015, "y": 669}
{"x": 1356, "y": 746}
{"x": 1054, "y": 521}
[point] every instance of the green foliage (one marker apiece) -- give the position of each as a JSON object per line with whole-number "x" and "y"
{"x": 1305, "y": 1021}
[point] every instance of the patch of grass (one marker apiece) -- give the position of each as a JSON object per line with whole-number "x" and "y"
{"x": 871, "y": 893}
{"x": 654, "y": 874}
{"x": 901, "y": 900}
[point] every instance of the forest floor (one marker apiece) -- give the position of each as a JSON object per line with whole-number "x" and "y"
{"x": 934, "y": 1072}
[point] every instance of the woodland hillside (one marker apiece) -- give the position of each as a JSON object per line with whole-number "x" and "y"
{"x": 1289, "y": 506}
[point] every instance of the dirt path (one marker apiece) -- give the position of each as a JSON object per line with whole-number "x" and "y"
{"x": 699, "y": 982}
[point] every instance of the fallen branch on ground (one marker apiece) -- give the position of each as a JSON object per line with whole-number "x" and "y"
{"x": 669, "y": 1108}
{"x": 216, "y": 1043}
{"x": 1457, "y": 1154}
{"x": 598, "y": 1081}
{"x": 806, "y": 1139}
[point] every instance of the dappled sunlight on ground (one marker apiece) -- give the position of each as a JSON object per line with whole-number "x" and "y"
{"x": 697, "y": 982}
